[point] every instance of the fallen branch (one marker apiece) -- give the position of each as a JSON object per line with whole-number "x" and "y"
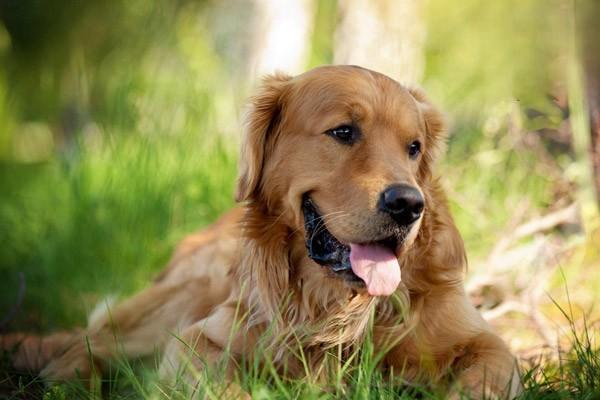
{"x": 514, "y": 277}
{"x": 564, "y": 216}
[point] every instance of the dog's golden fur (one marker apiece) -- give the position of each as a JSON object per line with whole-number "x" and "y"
{"x": 250, "y": 273}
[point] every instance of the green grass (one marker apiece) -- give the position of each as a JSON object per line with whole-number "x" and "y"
{"x": 488, "y": 179}
{"x": 104, "y": 221}
{"x": 574, "y": 376}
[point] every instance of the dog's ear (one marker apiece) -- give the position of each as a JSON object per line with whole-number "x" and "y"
{"x": 435, "y": 126}
{"x": 262, "y": 120}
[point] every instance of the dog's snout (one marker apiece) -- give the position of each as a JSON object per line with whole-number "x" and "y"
{"x": 402, "y": 202}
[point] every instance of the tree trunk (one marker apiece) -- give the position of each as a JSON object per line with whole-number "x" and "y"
{"x": 593, "y": 95}
{"x": 387, "y": 36}
{"x": 282, "y": 36}
{"x": 589, "y": 32}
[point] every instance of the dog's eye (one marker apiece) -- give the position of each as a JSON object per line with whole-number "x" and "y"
{"x": 344, "y": 134}
{"x": 414, "y": 149}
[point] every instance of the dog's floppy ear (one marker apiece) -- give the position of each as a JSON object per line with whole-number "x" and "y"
{"x": 262, "y": 119}
{"x": 436, "y": 130}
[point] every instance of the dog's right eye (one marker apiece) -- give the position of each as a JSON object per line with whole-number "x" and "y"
{"x": 345, "y": 134}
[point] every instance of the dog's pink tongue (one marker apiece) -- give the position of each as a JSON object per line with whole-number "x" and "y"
{"x": 377, "y": 266}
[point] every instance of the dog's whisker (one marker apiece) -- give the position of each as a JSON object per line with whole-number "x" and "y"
{"x": 322, "y": 227}
{"x": 318, "y": 219}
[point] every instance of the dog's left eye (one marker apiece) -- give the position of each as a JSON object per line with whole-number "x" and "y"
{"x": 344, "y": 134}
{"x": 414, "y": 149}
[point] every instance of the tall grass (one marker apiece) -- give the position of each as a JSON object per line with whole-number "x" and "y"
{"x": 105, "y": 221}
{"x": 574, "y": 375}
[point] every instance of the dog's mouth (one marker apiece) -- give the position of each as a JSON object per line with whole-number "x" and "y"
{"x": 346, "y": 260}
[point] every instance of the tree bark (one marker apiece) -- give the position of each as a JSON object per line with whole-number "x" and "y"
{"x": 593, "y": 90}
{"x": 387, "y": 36}
{"x": 589, "y": 32}
{"x": 282, "y": 36}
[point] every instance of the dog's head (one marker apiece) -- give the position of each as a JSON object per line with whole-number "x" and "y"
{"x": 343, "y": 155}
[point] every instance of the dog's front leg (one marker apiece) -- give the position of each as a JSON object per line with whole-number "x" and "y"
{"x": 451, "y": 340}
{"x": 486, "y": 370}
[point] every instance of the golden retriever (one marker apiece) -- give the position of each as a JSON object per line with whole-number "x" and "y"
{"x": 343, "y": 233}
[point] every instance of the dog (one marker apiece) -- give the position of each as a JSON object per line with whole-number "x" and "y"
{"x": 342, "y": 235}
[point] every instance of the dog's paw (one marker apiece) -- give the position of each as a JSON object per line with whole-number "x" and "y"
{"x": 75, "y": 363}
{"x": 31, "y": 352}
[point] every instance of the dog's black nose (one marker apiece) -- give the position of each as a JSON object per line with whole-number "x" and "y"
{"x": 402, "y": 202}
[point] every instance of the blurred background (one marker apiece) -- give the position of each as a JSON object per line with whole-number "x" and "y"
{"x": 120, "y": 127}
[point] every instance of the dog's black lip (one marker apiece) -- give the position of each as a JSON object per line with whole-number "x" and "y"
{"x": 326, "y": 250}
